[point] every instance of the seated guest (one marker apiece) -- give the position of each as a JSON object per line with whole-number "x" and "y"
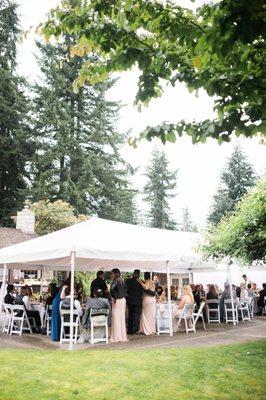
{"x": 212, "y": 294}
{"x": 187, "y": 298}
{"x": 250, "y": 290}
{"x": 198, "y": 295}
{"x": 9, "y": 297}
{"x": 25, "y": 294}
{"x": 99, "y": 283}
{"x": 156, "y": 281}
{"x": 66, "y": 298}
{"x": 243, "y": 292}
{"x": 262, "y": 295}
{"x": 99, "y": 303}
{"x": 226, "y": 294}
{"x": 160, "y": 294}
{"x": 174, "y": 292}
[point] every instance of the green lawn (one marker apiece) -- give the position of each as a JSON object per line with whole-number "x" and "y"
{"x": 224, "y": 372}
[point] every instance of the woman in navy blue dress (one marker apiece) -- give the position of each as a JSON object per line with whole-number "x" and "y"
{"x": 56, "y": 318}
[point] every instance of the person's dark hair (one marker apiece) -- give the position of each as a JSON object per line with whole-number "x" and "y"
{"x": 136, "y": 273}
{"x": 147, "y": 275}
{"x": 52, "y": 288}
{"x": 98, "y": 292}
{"x": 264, "y": 285}
{"x": 100, "y": 274}
{"x": 116, "y": 272}
{"x": 67, "y": 291}
{"x": 10, "y": 288}
{"x": 159, "y": 289}
{"x": 249, "y": 285}
{"x": 67, "y": 281}
{"x": 244, "y": 276}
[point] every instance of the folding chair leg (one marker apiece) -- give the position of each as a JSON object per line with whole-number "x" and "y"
{"x": 186, "y": 325}
{"x": 92, "y": 336}
{"x": 106, "y": 332}
{"x": 204, "y": 326}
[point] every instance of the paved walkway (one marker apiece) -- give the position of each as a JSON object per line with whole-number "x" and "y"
{"x": 214, "y": 335}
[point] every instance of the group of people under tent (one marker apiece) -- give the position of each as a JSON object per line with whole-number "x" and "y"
{"x": 131, "y": 302}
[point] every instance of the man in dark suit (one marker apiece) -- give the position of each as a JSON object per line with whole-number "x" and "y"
{"x": 134, "y": 302}
{"x": 262, "y": 295}
{"x": 9, "y": 299}
{"x": 99, "y": 283}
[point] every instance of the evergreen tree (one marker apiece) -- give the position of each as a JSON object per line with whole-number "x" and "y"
{"x": 158, "y": 190}
{"x": 187, "y": 224}
{"x": 78, "y": 158}
{"x": 237, "y": 176}
{"x": 15, "y": 135}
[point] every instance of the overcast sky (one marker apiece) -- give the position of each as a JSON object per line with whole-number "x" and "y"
{"x": 198, "y": 165}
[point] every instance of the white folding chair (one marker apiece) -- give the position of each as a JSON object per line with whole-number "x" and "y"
{"x": 19, "y": 320}
{"x": 47, "y": 319}
{"x": 187, "y": 315}
{"x": 230, "y": 312}
{"x": 163, "y": 318}
{"x": 8, "y": 311}
{"x": 65, "y": 323}
{"x": 244, "y": 309}
{"x": 99, "y": 318}
{"x": 213, "y": 313}
{"x": 199, "y": 314}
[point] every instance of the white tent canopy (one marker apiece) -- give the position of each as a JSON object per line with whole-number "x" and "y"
{"x": 100, "y": 243}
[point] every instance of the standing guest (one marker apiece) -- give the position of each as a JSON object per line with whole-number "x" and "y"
{"x": 246, "y": 280}
{"x": 118, "y": 293}
{"x": 148, "y": 315}
{"x": 9, "y": 297}
{"x": 174, "y": 292}
{"x": 262, "y": 295}
{"x": 99, "y": 283}
{"x": 243, "y": 292}
{"x": 51, "y": 293}
{"x": 134, "y": 302}
{"x": 56, "y": 318}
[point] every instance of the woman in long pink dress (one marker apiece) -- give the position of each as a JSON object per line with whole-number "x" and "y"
{"x": 148, "y": 315}
{"x": 118, "y": 293}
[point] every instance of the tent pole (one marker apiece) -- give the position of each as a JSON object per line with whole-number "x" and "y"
{"x": 72, "y": 264}
{"x": 169, "y": 298}
{"x": 231, "y": 291}
{"x": 3, "y": 287}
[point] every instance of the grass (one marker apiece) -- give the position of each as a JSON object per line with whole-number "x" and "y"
{"x": 224, "y": 372}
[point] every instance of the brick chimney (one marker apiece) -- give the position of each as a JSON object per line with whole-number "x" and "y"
{"x": 26, "y": 220}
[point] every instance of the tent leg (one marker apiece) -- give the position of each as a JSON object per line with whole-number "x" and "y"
{"x": 231, "y": 293}
{"x": 3, "y": 287}
{"x": 72, "y": 263}
{"x": 169, "y": 298}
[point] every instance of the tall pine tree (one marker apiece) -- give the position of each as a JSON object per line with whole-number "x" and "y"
{"x": 187, "y": 224}
{"x": 16, "y": 146}
{"x": 78, "y": 158}
{"x": 158, "y": 190}
{"x": 237, "y": 176}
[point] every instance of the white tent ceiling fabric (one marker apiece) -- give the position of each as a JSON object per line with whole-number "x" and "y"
{"x": 105, "y": 244}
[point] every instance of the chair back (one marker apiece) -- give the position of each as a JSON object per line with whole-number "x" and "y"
{"x": 202, "y": 304}
{"x": 214, "y": 302}
{"x": 8, "y": 308}
{"x": 188, "y": 309}
{"x": 95, "y": 312}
